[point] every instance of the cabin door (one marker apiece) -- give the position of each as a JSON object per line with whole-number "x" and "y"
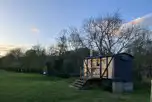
{"x": 95, "y": 69}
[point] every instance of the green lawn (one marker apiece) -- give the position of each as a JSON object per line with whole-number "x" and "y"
{"x": 19, "y": 87}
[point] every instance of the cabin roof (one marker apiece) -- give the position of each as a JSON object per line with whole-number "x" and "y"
{"x": 108, "y": 55}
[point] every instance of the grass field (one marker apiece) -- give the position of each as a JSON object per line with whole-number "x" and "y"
{"x": 19, "y": 87}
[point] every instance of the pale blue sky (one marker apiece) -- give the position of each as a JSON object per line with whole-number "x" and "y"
{"x": 48, "y": 17}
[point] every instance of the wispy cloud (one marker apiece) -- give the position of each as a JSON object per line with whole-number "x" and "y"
{"x": 4, "y": 48}
{"x": 35, "y": 30}
{"x": 145, "y": 21}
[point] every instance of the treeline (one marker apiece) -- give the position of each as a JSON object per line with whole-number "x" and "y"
{"x": 36, "y": 59}
{"x": 104, "y": 35}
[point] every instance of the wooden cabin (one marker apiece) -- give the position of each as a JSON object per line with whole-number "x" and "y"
{"x": 116, "y": 68}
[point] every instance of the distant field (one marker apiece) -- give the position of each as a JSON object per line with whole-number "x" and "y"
{"x": 19, "y": 87}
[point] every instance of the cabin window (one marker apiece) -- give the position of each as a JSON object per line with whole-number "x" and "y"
{"x": 97, "y": 62}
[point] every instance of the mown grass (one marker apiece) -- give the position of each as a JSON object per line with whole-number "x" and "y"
{"x": 20, "y": 87}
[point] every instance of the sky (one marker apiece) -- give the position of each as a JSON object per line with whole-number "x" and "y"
{"x": 24, "y": 23}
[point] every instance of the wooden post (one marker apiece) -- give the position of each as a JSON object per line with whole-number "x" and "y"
{"x": 107, "y": 66}
{"x": 80, "y": 73}
{"x": 151, "y": 92}
{"x": 87, "y": 69}
{"x": 91, "y": 69}
{"x": 91, "y": 52}
{"x": 100, "y": 66}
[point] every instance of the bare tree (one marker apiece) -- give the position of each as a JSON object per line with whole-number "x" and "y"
{"x": 109, "y": 35}
{"x": 16, "y": 53}
{"x": 40, "y": 51}
{"x": 76, "y": 40}
{"x": 62, "y": 42}
{"x": 52, "y": 50}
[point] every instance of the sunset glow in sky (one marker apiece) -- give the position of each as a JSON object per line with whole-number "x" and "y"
{"x": 24, "y": 23}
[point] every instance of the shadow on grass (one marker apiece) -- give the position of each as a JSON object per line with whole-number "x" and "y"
{"x": 14, "y": 76}
{"x": 37, "y": 78}
{"x": 40, "y": 77}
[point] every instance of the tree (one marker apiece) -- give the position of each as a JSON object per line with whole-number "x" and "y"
{"x": 16, "y": 53}
{"x": 28, "y": 60}
{"x": 52, "y": 50}
{"x": 141, "y": 50}
{"x": 109, "y": 35}
{"x": 75, "y": 39}
{"x": 12, "y": 60}
{"x": 34, "y": 59}
{"x": 40, "y": 51}
{"x": 62, "y": 42}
